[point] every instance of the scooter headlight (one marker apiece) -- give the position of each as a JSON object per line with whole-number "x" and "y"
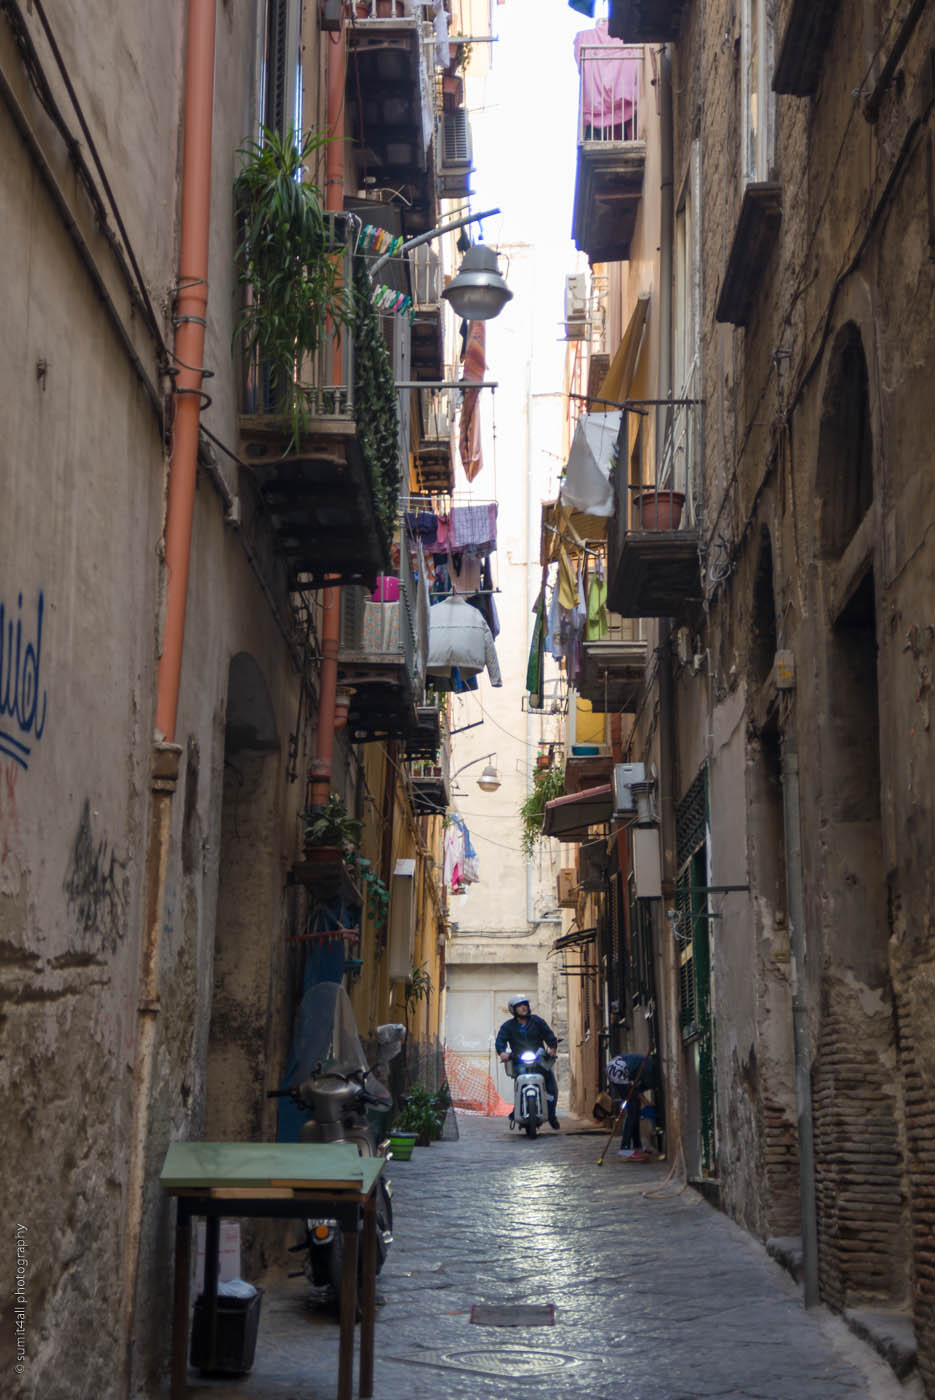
{"x": 528, "y": 1056}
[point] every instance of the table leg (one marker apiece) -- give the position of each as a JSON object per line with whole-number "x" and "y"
{"x": 212, "y": 1240}
{"x": 368, "y": 1296}
{"x": 348, "y": 1308}
{"x": 183, "y": 1236}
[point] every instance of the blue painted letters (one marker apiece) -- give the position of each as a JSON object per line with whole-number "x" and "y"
{"x": 20, "y": 658}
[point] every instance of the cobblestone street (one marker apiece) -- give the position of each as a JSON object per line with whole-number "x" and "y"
{"x": 655, "y": 1297}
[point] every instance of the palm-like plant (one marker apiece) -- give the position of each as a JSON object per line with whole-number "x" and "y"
{"x": 297, "y": 296}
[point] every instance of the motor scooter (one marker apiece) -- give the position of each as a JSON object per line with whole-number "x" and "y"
{"x": 342, "y": 1100}
{"x": 528, "y": 1072}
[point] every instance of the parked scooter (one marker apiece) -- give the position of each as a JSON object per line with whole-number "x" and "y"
{"x": 331, "y": 1082}
{"x": 527, "y": 1071}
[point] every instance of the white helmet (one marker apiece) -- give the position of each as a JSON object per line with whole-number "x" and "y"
{"x": 518, "y": 1000}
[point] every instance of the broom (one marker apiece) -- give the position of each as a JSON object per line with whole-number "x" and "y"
{"x": 623, "y": 1108}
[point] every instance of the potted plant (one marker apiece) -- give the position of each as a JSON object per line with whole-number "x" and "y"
{"x": 420, "y": 1113}
{"x": 330, "y": 833}
{"x": 657, "y": 510}
{"x": 401, "y": 1144}
{"x": 296, "y": 293}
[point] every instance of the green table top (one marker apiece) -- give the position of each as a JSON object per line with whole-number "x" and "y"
{"x": 193, "y": 1166}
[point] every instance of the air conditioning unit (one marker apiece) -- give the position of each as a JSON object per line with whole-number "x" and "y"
{"x": 576, "y": 306}
{"x": 456, "y": 149}
{"x": 454, "y": 153}
{"x": 567, "y": 888}
{"x": 626, "y": 775}
{"x": 402, "y": 920}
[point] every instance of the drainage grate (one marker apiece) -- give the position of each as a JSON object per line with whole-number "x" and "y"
{"x": 513, "y": 1314}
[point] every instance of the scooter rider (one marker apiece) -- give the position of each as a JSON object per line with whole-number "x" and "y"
{"x": 524, "y": 1031}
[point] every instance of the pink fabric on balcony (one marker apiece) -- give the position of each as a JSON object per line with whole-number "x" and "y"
{"x": 609, "y": 85}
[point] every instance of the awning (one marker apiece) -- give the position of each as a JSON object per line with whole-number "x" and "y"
{"x": 568, "y": 818}
{"x": 616, "y": 385}
{"x": 575, "y": 529}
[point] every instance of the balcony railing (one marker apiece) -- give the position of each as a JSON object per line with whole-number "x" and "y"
{"x": 428, "y": 349}
{"x": 317, "y": 477}
{"x": 389, "y": 93}
{"x": 431, "y": 781}
{"x": 653, "y": 538}
{"x": 609, "y": 93}
{"x": 433, "y": 461}
{"x": 611, "y": 150}
{"x": 382, "y": 653}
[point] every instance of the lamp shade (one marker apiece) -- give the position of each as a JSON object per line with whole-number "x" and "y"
{"x": 479, "y": 292}
{"x": 489, "y": 780}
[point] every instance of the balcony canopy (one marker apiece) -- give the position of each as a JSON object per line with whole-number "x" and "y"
{"x": 569, "y": 818}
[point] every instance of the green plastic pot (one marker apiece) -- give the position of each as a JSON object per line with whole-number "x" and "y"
{"x": 401, "y": 1145}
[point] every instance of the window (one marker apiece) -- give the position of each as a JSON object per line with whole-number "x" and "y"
{"x": 758, "y": 104}
{"x": 687, "y": 289}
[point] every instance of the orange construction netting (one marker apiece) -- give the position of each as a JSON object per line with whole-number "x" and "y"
{"x": 473, "y": 1088}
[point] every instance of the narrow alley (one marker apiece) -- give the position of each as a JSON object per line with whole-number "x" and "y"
{"x": 655, "y": 1296}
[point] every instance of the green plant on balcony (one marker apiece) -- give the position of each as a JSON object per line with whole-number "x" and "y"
{"x": 547, "y": 784}
{"x": 331, "y": 825}
{"x": 297, "y": 298}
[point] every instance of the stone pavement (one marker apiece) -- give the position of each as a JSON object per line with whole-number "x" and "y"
{"x": 656, "y": 1297}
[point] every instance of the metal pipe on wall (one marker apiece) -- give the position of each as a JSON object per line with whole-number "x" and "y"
{"x": 322, "y": 765}
{"x": 190, "y": 322}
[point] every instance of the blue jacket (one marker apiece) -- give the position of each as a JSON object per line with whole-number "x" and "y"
{"x": 515, "y": 1036}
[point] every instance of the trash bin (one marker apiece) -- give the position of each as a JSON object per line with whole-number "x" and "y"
{"x": 238, "y": 1323}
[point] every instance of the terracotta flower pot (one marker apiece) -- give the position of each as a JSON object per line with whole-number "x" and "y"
{"x": 657, "y": 510}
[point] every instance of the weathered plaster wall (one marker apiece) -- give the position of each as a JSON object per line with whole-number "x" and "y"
{"x": 81, "y": 579}
{"x": 853, "y": 249}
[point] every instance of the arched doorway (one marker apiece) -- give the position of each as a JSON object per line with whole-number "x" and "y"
{"x": 862, "y": 1228}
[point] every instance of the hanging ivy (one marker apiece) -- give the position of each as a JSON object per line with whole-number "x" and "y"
{"x": 375, "y": 406}
{"x": 547, "y": 783}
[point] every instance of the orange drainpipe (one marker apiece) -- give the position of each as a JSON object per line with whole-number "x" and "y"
{"x": 190, "y": 315}
{"x": 321, "y": 766}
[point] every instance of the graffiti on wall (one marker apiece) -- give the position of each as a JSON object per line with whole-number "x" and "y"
{"x": 95, "y": 887}
{"x": 22, "y": 699}
{"x": 9, "y": 817}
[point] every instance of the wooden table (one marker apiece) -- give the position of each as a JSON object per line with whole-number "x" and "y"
{"x": 278, "y": 1180}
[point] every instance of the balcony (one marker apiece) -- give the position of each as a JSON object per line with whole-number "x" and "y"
{"x": 802, "y": 50}
{"x": 645, "y": 21}
{"x": 653, "y": 537}
{"x": 382, "y": 653}
{"x": 613, "y": 668}
{"x": 754, "y": 239}
{"x": 389, "y": 97}
{"x": 611, "y": 151}
{"x": 318, "y": 488}
{"x": 432, "y": 455}
{"x": 426, "y": 337}
{"x": 431, "y": 781}
{"x": 587, "y": 770}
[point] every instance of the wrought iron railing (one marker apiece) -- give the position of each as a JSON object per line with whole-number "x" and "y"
{"x": 668, "y": 497}
{"x": 326, "y": 375}
{"x": 609, "y": 93}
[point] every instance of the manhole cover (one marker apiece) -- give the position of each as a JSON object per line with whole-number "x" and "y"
{"x": 508, "y": 1363}
{"x": 513, "y": 1314}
